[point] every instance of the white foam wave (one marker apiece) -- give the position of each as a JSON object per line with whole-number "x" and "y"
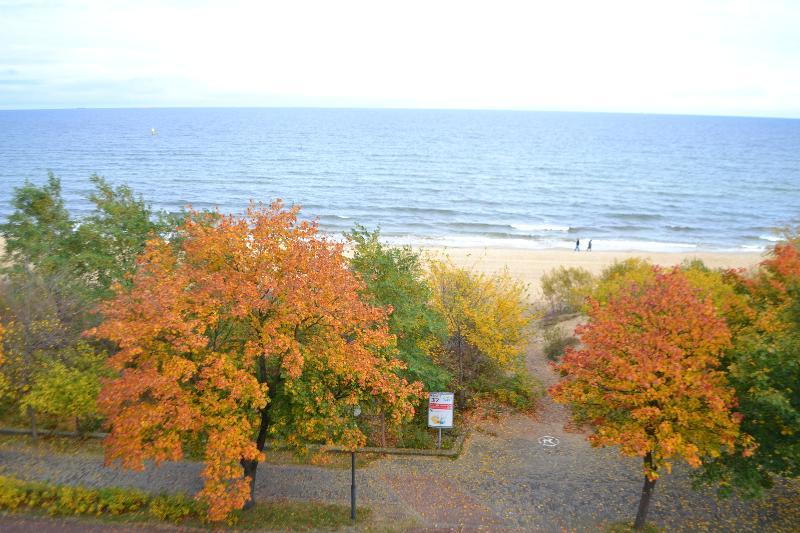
{"x": 640, "y": 246}
{"x": 540, "y": 227}
{"x": 470, "y": 241}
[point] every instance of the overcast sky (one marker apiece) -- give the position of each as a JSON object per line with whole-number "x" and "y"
{"x": 697, "y": 57}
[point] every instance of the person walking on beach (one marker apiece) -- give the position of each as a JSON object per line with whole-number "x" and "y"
{"x": 578, "y": 245}
{"x": 589, "y": 248}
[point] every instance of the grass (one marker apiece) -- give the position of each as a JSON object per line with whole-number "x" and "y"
{"x": 63, "y": 445}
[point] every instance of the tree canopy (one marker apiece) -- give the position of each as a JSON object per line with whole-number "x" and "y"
{"x": 249, "y": 326}
{"x": 395, "y": 279}
{"x": 763, "y": 365}
{"x": 648, "y": 378}
{"x": 487, "y": 318}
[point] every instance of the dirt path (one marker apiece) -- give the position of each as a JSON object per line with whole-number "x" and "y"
{"x": 506, "y": 480}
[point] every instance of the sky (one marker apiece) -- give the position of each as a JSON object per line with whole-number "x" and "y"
{"x": 684, "y": 57}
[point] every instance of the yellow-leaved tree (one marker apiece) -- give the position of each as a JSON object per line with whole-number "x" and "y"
{"x": 487, "y": 318}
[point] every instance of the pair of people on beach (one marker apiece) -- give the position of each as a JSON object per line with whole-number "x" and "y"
{"x": 578, "y": 245}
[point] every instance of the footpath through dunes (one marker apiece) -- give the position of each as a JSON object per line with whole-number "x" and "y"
{"x": 509, "y": 478}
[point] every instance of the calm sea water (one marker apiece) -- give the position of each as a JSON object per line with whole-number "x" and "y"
{"x": 486, "y": 178}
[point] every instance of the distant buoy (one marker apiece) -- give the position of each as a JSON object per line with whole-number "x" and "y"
{"x": 153, "y": 131}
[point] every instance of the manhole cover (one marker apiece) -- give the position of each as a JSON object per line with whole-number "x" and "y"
{"x": 548, "y": 441}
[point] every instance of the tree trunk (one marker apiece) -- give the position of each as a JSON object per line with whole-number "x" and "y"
{"x": 647, "y": 493}
{"x": 460, "y": 361}
{"x": 383, "y": 430}
{"x": 251, "y": 466}
{"x": 32, "y": 415}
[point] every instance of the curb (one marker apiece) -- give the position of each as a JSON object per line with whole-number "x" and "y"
{"x": 455, "y": 451}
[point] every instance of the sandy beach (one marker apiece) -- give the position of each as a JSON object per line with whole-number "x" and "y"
{"x": 529, "y": 265}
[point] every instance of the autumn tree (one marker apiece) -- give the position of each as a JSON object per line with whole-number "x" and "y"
{"x": 763, "y": 365}
{"x": 54, "y": 270}
{"x": 647, "y": 378}
{"x": 714, "y": 284}
{"x": 618, "y": 275}
{"x": 95, "y": 250}
{"x": 487, "y": 319}
{"x": 394, "y": 278}
{"x": 44, "y": 317}
{"x": 248, "y": 327}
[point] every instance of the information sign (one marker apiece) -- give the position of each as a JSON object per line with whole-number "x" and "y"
{"x": 440, "y": 410}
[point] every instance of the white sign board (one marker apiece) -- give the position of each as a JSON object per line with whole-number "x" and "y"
{"x": 440, "y": 410}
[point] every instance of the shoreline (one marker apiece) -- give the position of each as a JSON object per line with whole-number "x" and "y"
{"x": 529, "y": 265}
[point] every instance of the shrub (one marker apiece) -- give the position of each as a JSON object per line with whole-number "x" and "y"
{"x": 566, "y": 288}
{"x": 66, "y": 388}
{"x": 12, "y": 494}
{"x": 60, "y": 500}
{"x": 556, "y": 342}
{"x": 518, "y": 390}
{"x": 173, "y": 508}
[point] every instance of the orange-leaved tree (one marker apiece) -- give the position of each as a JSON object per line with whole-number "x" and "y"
{"x": 647, "y": 378}
{"x": 243, "y": 327}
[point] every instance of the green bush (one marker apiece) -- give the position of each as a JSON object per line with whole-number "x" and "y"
{"x": 174, "y": 508}
{"x": 566, "y": 288}
{"x": 518, "y": 390}
{"x": 59, "y": 500}
{"x": 556, "y": 342}
{"x": 415, "y": 435}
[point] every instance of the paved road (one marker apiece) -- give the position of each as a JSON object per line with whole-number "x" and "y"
{"x": 505, "y": 480}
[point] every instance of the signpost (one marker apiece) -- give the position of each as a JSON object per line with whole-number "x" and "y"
{"x": 356, "y": 414}
{"x": 440, "y": 412}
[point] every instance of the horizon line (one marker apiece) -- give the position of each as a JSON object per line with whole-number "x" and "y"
{"x": 399, "y": 108}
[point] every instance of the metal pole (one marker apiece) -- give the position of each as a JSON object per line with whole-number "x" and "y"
{"x": 440, "y": 438}
{"x": 352, "y": 486}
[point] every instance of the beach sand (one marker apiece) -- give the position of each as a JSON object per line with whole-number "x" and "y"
{"x": 529, "y": 265}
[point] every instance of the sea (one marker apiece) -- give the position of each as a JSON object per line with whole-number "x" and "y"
{"x": 455, "y": 178}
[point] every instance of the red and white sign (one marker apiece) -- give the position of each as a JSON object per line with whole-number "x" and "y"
{"x": 440, "y": 410}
